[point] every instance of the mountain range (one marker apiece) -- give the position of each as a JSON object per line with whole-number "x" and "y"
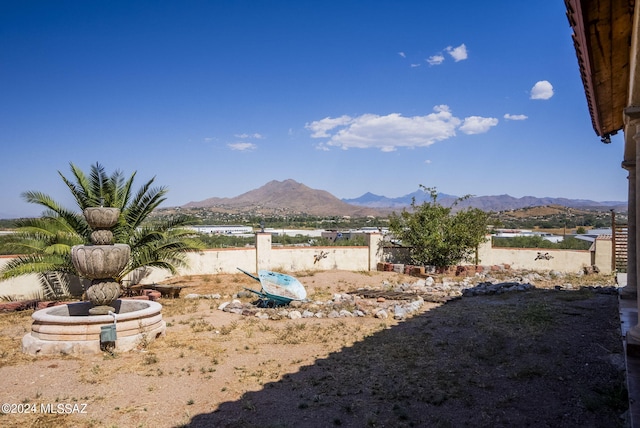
{"x": 487, "y": 203}
{"x": 290, "y": 197}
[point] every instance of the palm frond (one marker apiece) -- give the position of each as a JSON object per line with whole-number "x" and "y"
{"x": 177, "y": 221}
{"x": 36, "y": 263}
{"x": 39, "y": 198}
{"x": 58, "y": 249}
{"x": 114, "y": 188}
{"x": 101, "y": 189}
{"x": 144, "y": 202}
{"x": 50, "y": 230}
{"x": 81, "y": 189}
{"x": 54, "y": 285}
{"x": 124, "y": 191}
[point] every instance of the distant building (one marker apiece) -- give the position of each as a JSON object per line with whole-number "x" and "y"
{"x": 314, "y": 233}
{"x": 223, "y": 230}
{"x": 512, "y": 233}
{"x": 593, "y": 234}
{"x": 334, "y": 235}
{"x": 374, "y": 229}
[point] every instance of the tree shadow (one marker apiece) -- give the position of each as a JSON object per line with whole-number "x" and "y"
{"x": 539, "y": 358}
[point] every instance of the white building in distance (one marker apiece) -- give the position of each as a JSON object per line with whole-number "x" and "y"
{"x": 223, "y": 230}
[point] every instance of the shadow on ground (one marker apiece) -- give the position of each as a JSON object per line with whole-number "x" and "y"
{"x": 539, "y": 358}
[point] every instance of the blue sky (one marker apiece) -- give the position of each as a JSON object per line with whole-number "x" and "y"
{"x": 216, "y": 98}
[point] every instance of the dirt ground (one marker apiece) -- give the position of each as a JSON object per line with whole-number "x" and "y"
{"x": 542, "y": 358}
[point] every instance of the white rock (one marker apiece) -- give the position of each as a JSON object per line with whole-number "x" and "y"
{"x": 294, "y": 315}
{"x": 382, "y": 314}
{"x": 399, "y": 312}
{"x": 212, "y": 296}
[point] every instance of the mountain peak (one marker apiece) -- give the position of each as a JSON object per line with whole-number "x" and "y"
{"x": 289, "y": 197}
{"x": 285, "y": 197}
{"x": 284, "y": 185}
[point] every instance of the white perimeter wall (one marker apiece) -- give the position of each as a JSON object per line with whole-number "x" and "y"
{"x": 568, "y": 261}
{"x": 293, "y": 259}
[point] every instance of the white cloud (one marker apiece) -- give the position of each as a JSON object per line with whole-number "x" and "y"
{"x": 435, "y": 59}
{"x": 477, "y": 124}
{"x": 515, "y": 116}
{"x": 402, "y": 54}
{"x": 542, "y": 90}
{"x": 428, "y": 161}
{"x": 392, "y": 131}
{"x": 319, "y": 128}
{"x": 256, "y": 136}
{"x": 459, "y": 53}
{"x": 415, "y": 65}
{"x": 242, "y": 147}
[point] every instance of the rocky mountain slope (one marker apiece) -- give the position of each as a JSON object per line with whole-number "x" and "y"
{"x": 290, "y": 197}
{"x": 286, "y": 197}
{"x": 487, "y": 203}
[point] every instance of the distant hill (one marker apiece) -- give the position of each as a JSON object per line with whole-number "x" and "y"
{"x": 376, "y": 201}
{"x": 290, "y": 197}
{"x": 486, "y": 203}
{"x": 286, "y": 197}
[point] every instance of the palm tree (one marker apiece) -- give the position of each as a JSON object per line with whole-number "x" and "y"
{"x": 47, "y": 240}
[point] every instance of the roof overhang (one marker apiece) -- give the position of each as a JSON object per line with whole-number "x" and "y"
{"x": 603, "y": 34}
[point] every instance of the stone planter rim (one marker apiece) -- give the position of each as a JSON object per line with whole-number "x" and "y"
{"x": 81, "y": 256}
{"x": 101, "y": 217}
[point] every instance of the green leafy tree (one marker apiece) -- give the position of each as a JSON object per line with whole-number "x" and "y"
{"x": 436, "y": 235}
{"x": 46, "y": 242}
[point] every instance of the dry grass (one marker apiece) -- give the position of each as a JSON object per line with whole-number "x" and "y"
{"x": 13, "y": 326}
{"x": 439, "y": 368}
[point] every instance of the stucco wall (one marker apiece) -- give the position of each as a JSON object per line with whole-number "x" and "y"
{"x": 21, "y": 287}
{"x": 320, "y": 258}
{"x": 288, "y": 259}
{"x": 292, "y": 259}
{"x": 225, "y": 260}
{"x": 569, "y": 261}
{"x": 602, "y": 255}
